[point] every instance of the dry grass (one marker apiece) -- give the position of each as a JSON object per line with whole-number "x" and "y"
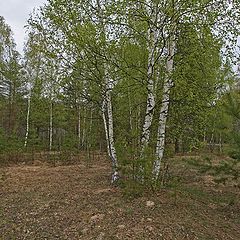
{"x": 77, "y": 202}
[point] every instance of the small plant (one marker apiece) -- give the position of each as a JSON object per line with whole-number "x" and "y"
{"x": 175, "y": 185}
{"x": 131, "y": 188}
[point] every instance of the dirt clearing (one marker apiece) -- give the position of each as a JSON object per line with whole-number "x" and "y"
{"x": 78, "y": 202}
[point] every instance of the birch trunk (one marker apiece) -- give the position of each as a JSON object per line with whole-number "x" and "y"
{"x": 105, "y": 125}
{"x": 112, "y": 148}
{"x": 152, "y": 41}
{"x": 29, "y": 99}
{"x": 220, "y": 143}
{"x": 51, "y": 126}
{"x": 204, "y": 136}
{"x": 27, "y": 120}
{"x": 211, "y": 143}
{"x": 107, "y": 104}
{"x": 108, "y": 126}
{"x": 90, "y": 128}
{"x": 164, "y": 111}
{"x": 84, "y": 127}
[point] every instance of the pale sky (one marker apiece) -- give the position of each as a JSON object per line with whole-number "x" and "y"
{"x": 16, "y": 13}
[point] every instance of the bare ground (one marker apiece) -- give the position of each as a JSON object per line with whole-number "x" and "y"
{"x": 78, "y": 202}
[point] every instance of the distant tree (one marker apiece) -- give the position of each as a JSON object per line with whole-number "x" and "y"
{"x": 10, "y": 80}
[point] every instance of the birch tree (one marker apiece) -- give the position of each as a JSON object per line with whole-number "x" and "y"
{"x": 152, "y": 43}
{"x": 65, "y": 31}
{"x": 31, "y": 68}
{"x": 106, "y": 100}
{"x": 167, "y": 85}
{"x": 10, "y": 77}
{"x": 190, "y": 13}
{"x": 109, "y": 49}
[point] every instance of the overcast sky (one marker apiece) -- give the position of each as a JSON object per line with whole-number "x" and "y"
{"x": 16, "y": 13}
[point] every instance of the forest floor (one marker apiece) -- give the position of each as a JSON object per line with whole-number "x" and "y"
{"x": 39, "y": 201}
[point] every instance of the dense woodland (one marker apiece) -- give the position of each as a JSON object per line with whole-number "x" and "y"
{"x": 139, "y": 80}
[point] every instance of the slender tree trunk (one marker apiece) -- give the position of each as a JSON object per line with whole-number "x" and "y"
{"x": 108, "y": 126}
{"x": 111, "y": 137}
{"x": 220, "y": 143}
{"x": 204, "y": 136}
{"x": 105, "y": 125}
{"x": 27, "y": 120}
{"x": 84, "y": 126}
{"x": 90, "y": 129}
{"x": 51, "y": 126}
{"x": 152, "y": 41}
{"x": 12, "y": 109}
{"x": 177, "y": 147}
{"x": 29, "y": 79}
{"x": 107, "y": 104}
{"x": 212, "y": 142}
{"x": 79, "y": 127}
{"x": 164, "y": 112}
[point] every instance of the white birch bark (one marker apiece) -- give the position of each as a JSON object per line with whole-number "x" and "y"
{"x": 27, "y": 120}
{"x": 29, "y": 86}
{"x": 108, "y": 123}
{"x": 108, "y": 126}
{"x": 107, "y": 107}
{"x": 111, "y": 137}
{"x": 164, "y": 111}
{"x": 105, "y": 124}
{"x": 152, "y": 41}
{"x": 152, "y": 45}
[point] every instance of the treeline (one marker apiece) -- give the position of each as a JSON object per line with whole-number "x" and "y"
{"x": 133, "y": 77}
